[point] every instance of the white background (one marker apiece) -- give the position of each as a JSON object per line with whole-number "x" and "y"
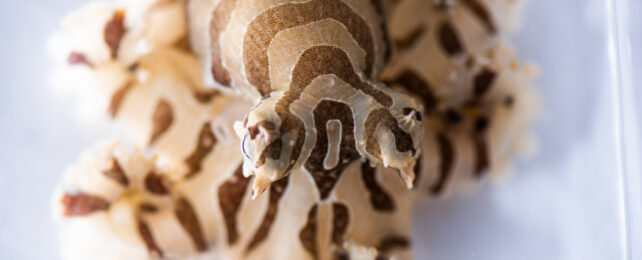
{"x": 566, "y": 202}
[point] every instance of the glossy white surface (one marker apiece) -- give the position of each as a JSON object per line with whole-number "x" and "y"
{"x": 566, "y": 202}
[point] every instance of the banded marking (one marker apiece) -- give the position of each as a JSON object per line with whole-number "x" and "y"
{"x": 148, "y": 239}
{"x": 308, "y": 234}
{"x": 204, "y": 146}
{"x": 447, "y": 155}
{"x": 265, "y": 26}
{"x": 379, "y": 199}
{"x": 325, "y": 111}
{"x": 156, "y": 184}
{"x": 415, "y": 84}
{"x": 340, "y": 221}
{"x": 482, "y": 157}
{"x": 81, "y": 204}
{"x": 449, "y": 40}
{"x": 205, "y": 96}
{"x": 162, "y": 119}
{"x": 117, "y": 99}
{"x": 483, "y": 81}
{"x": 189, "y": 221}
{"x": 114, "y": 172}
{"x": 482, "y": 12}
{"x": 276, "y": 192}
{"x": 114, "y": 31}
{"x": 315, "y": 61}
{"x": 393, "y": 242}
{"x": 231, "y": 194}
{"x": 220, "y": 19}
{"x": 379, "y": 8}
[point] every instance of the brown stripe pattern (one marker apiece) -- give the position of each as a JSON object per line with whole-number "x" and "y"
{"x": 379, "y": 198}
{"x": 284, "y": 139}
{"x": 187, "y": 217}
{"x": 114, "y": 31}
{"x": 447, "y": 154}
{"x": 220, "y": 18}
{"x": 392, "y": 242}
{"x": 162, "y": 119}
{"x": 117, "y": 99}
{"x": 82, "y": 204}
{"x": 230, "y": 197}
{"x": 325, "y": 111}
{"x": 115, "y": 172}
{"x": 415, "y": 84}
{"x": 308, "y": 235}
{"x": 482, "y": 12}
{"x": 264, "y": 27}
{"x": 143, "y": 200}
{"x": 276, "y": 192}
{"x": 205, "y": 96}
{"x": 482, "y": 161}
{"x": 483, "y": 81}
{"x": 156, "y": 184}
{"x": 449, "y": 39}
{"x": 148, "y": 239}
{"x": 204, "y": 146}
{"x": 324, "y": 60}
{"x": 340, "y": 221}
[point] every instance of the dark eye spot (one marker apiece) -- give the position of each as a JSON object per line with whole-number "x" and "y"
{"x": 409, "y": 111}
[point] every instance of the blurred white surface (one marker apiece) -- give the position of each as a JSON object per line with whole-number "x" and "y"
{"x": 566, "y": 202}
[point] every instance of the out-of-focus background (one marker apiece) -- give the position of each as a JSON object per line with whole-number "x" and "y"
{"x": 577, "y": 197}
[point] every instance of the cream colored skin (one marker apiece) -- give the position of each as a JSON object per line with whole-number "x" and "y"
{"x": 160, "y": 63}
{"x": 164, "y": 71}
{"x": 451, "y": 81}
{"x": 222, "y": 35}
{"x": 113, "y": 233}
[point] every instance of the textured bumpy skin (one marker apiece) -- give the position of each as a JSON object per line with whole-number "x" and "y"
{"x": 154, "y": 94}
{"x": 478, "y": 100}
{"x": 312, "y": 63}
{"x": 190, "y": 199}
{"x": 155, "y": 97}
{"x": 116, "y": 203}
